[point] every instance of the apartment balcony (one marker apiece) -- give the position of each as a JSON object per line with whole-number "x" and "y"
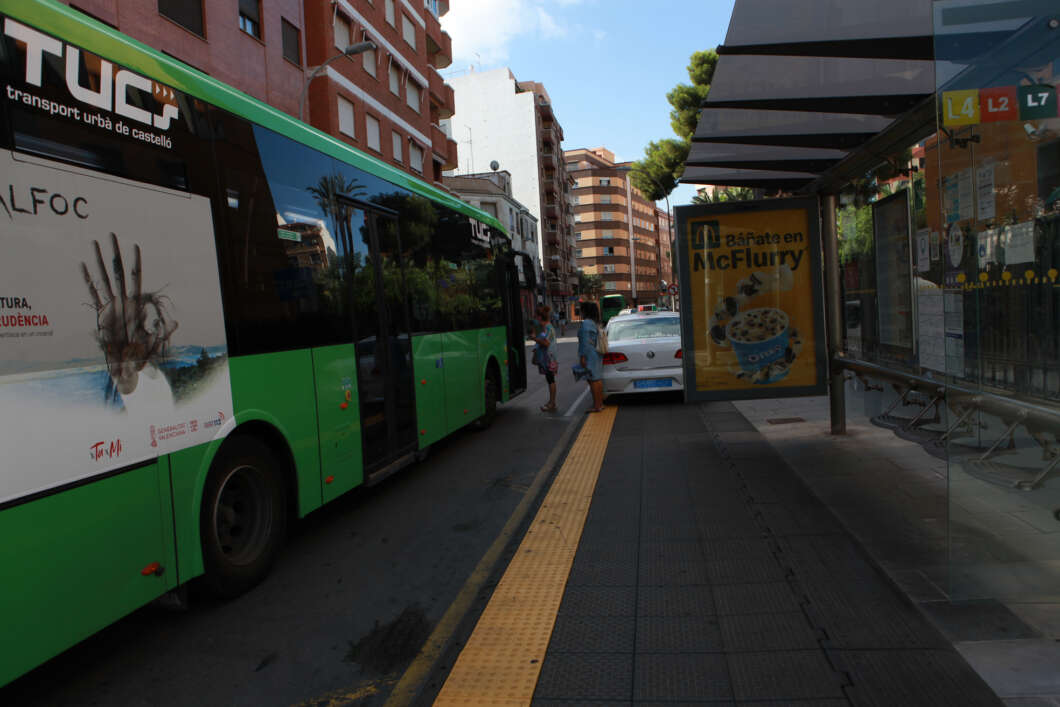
{"x": 442, "y": 146}
{"x": 439, "y": 43}
{"x": 551, "y": 209}
{"x": 548, "y": 159}
{"x": 441, "y": 94}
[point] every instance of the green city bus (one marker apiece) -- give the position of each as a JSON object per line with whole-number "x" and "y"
{"x": 213, "y": 319}
{"x": 610, "y": 305}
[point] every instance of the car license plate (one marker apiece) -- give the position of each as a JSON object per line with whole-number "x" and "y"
{"x": 653, "y": 383}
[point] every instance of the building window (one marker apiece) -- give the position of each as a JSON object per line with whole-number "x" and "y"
{"x": 605, "y": 199}
{"x": 408, "y": 31}
{"x": 607, "y": 234}
{"x": 610, "y": 285}
{"x": 609, "y": 250}
{"x": 292, "y": 42}
{"x": 346, "y": 117}
{"x": 371, "y": 132}
{"x": 397, "y": 139}
{"x": 368, "y": 60}
{"x": 343, "y": 37}
{"x": 412, "y": 95}
{"x": 390, "y": 13}
{"x": 416, "y": 157}
{"x": 395, "y": 79}
{"x": 574, "y": 199}
{"x": 609, "y": 267}
{"x": 250, "y": 17}
{"x": 489, "y": 207}
{"x": 578, "y": 236}
{"x": 186, "y": 13}
{"x": 607, "y": 216}
{"x": 605, "y": 181}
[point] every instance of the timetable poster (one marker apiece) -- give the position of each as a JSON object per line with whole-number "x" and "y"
{"x": 752, "y": 318}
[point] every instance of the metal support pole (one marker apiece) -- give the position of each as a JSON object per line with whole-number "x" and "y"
{"x": 833, "y": 315}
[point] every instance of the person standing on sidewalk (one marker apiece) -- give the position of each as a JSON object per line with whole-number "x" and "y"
{"x": 589, "y": 355}
{"x": 545, "y": 354}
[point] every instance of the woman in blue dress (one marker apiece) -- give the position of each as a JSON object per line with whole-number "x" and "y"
{"x": 591, "y": 359}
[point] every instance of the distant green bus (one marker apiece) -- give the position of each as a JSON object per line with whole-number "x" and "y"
{"x": 610, "y": 305}
{"x": 215, "y": 319}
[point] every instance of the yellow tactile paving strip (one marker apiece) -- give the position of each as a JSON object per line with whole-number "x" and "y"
{"x": 502, "y": 660}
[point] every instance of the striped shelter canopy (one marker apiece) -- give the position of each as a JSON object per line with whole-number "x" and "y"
{"x": 801, "y": 83}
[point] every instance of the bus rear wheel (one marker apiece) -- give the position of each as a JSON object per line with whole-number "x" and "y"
{"x": 243, "y": 518}
{"x": 490, "y": 388}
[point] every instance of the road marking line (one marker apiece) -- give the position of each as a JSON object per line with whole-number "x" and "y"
{"x": 412, "y": 681}
{"x": 570, "y": 410}
{"x": 501, "y": 662}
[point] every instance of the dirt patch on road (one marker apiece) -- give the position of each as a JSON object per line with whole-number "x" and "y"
{"x": 389, "y": 647}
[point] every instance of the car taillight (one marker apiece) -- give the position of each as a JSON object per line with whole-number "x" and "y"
{"x": 678, "y": 354}
{"x": 612, "y": 358}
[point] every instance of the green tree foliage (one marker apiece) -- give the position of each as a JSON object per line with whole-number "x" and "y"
{"x": 590, "y": 285}
{"x": 656, "y": 174}
{"x": 688, "y": 99}
{"x": 724, "y": 194}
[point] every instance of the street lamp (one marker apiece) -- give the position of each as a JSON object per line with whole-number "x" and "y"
{"x": 358, "y": 48}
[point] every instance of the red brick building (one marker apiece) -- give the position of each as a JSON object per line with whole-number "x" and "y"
{"x": 387, "y": 102}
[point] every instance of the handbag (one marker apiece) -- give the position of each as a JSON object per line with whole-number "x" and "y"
{"x": 601, "y": 341}
{"x": 553, "y": 364}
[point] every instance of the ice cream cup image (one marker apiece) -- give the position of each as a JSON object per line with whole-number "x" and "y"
{"x": 759, "y": 337}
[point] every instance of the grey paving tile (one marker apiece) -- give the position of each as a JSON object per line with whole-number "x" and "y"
{"x": 739, "y": 548}
{"x": 768, "y": 632}
{"x": 602, "y": 573}
{"x": 757, "y": 598}
{"x": 585, "y": 676}
{"x": 678, "y": 634}
{"x": 859, "y": 616}
{"x": 745, "y": 570}
{"x": 797, "y": 703}
{"x": 913, "y": 678}
{"x": 979, "y": 620}
{"x": 690, "y": 676}
{"x": 794, "y": 675}
{"x": 688, "y": 600}
{"x": 576, "y": 633}
{"x": 581, "y": 703}
{"x": 599, "y": 601}
{"x": 676, "y": 562}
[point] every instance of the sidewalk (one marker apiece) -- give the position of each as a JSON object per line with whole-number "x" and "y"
{"x": 701, "y": 569}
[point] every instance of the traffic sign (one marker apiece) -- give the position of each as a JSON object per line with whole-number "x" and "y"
{"x": 673, "y": 289}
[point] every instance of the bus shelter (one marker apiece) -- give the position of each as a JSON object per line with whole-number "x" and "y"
{"x": 926, "y": 137}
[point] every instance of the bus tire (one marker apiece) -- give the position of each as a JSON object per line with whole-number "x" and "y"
{"x": 244, "y": 517}
{"x": 490, "y": 387}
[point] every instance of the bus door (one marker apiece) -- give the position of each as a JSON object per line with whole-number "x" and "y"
{"x": 513, "y": 316}
{"x": 386, "y": 394}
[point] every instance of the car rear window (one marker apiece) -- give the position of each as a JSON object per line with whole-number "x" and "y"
{"x": 652, "y": 328}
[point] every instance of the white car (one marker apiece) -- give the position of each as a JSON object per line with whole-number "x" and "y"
{"x": 643, "y": 353}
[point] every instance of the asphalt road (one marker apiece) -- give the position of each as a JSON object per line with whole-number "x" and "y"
{"x": 358, "y": 588}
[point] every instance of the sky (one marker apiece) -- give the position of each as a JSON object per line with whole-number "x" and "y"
{"x": 606, "y": 64}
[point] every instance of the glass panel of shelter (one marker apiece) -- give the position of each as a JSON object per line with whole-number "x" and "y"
{"x": 998, "y": 166}
{"x": 981, "y": 304}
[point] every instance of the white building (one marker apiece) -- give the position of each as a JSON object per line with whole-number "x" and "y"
{"x": 511, "y": 122}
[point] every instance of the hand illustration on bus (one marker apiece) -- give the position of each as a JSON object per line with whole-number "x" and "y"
{"x": 133, "y": 328}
